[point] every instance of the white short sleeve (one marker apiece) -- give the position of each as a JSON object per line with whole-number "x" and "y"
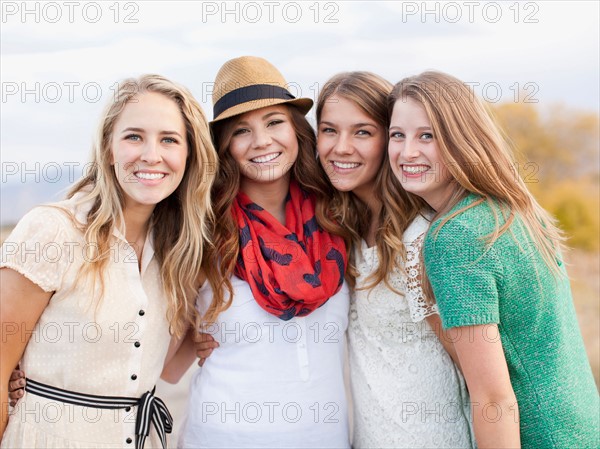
{"x": 38, "y": 247}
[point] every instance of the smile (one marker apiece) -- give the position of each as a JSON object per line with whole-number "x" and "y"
{"x": 345, "y": 165}
{"x": 151, "y": 176}
{"x": 265, "y": 158}
{"x": 415, "y": 169}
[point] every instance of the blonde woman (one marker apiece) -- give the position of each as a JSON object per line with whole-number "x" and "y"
{"x": 493, "y": 260}
{"x": 106, "y": 278}
{"x": 406, "y": 390}
{"x": 278, "y": 308}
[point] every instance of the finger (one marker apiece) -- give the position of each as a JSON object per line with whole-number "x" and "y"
{"x": 16, "y": 384}
{"x": 204, "y": 354}
{"x": 17, "y": 374}
{"x": 16, "y": 395}
{"x": 202, "y": 337}
{"x": 206, "y": 346}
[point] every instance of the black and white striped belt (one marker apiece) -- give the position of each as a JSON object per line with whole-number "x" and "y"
{"x": 150, "y": 408}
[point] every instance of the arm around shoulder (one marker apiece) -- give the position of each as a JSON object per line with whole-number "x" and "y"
{"x": 179, "y": 358}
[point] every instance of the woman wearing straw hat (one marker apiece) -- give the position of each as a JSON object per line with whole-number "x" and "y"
{"x": 279, "y": 307}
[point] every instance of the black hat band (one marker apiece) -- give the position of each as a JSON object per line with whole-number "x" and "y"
{"x": 250, "y": 93}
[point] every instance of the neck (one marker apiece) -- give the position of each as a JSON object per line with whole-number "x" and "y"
{"x": 137, "y": 221}
{"x": 374, "y": 205}
{"x": 372, "y": 202}
{"x": 269, "y": 196}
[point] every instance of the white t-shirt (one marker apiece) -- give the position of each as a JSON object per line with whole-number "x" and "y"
{"x": 271, "y": 383}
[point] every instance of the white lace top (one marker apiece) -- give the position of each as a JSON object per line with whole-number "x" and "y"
{"x": 407, "y": 391}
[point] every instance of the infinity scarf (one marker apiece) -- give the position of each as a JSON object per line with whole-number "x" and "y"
{"x": 292, "y": 269}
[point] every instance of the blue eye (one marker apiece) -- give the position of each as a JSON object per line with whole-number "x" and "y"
{"x": 327, "y": 130}
{"x": 362, "y": 132}
{"x": 169, "y": 140}
{"x": 427, "y": 136}
{"x": 396, "y": 135}
{"x": 237, "y": 132}
{"x": 134, "y": 137}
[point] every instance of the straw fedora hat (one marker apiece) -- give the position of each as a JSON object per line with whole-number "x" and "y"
{"x": 248, "y": 83}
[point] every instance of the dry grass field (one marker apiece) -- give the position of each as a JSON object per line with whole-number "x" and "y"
{"x": 584, "y": 271}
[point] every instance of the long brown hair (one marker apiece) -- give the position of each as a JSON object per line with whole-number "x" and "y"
{"x": 479, "y": 159}
{"x": 306, "y": 171}
{"x": 179, "y": 222}
{"x": 369, "y": 92}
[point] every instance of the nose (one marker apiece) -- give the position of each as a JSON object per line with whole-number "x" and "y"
{"x": 410, "y": 150}
{"x": 151, "y": 153}
{"x": 261, "y": 138}
{"x": 343, "y": 146}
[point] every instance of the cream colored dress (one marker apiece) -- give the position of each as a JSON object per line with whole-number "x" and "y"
{"x": 407, "y": 392}
{"x": 116, "y": 348}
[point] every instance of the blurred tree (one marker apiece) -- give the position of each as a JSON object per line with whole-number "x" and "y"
{"x": 558, "y": 155}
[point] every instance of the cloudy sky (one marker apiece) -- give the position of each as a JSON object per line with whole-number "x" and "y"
{"x": 60, "y": 61}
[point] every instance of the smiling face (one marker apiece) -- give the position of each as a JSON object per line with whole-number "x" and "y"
{"x": 265, "y": 146}
{"x": 414, "y": 155}
{"x": 149, "y": 150}
{"x": 351, "y": 146}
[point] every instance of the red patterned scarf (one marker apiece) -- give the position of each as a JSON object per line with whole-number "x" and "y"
{"x": 292, "y": 269}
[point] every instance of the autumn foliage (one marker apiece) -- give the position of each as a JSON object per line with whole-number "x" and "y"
{"x": 558, "y": 156}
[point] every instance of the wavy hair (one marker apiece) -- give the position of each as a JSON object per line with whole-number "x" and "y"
{"x": 480, "y": 160}
{"x": 306, "y": 171}
{"x": 180, "y": 222}
{"x": 370, "y": 92}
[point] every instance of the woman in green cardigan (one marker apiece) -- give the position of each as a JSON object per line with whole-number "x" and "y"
{"x": 493, "y": 263}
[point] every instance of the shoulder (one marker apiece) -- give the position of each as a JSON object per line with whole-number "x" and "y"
{"x": 65, "y": 218}
{"x": 472, "y": 217}
{"x": 417, "y": 228}
{"x": 461, "y": 236}
{"x": 48, "y": 217}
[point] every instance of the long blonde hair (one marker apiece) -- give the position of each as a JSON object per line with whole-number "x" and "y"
{"x": 180, "y": 222}
{"x": 306, "y": 171}
{"x": 479, "y": 159}
{"x": 370, "y": 92}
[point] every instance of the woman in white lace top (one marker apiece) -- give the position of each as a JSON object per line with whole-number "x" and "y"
{"x": 407, "y": 391}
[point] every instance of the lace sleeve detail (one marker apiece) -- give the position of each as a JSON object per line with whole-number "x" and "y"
{"x": 417, "y": 303}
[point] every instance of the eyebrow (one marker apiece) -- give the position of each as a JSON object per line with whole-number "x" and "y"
{"x": 141, "y": 130}
{"x": 273, "y": 113}
{"x": 356, "y": 125}
{"x": 420, "y": 128}
{"x": 264, "y": 117}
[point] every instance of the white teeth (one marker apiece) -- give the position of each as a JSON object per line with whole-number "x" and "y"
{"x": 267, "y": 158}
{"x": 414, "y": 170}
{"x": 143, "y": 175}
{"x": 345, "y": 164}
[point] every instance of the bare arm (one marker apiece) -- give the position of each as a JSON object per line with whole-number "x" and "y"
{"x": 445, "y": 337}
{"x": 495, "y": 408}
{"x": 179, "y": 358}
{"x": 192, "y": 346}
{"x": 21, "y": 305}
